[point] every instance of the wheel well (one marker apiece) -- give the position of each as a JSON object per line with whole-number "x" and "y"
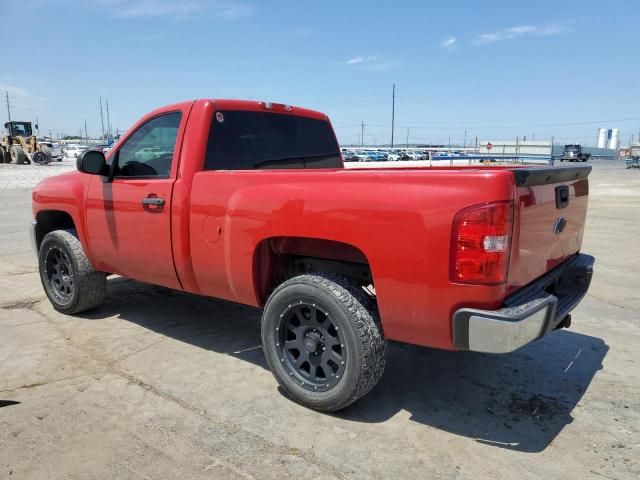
{"x": 50, "y": 220}
{"x": 277, "y": 259}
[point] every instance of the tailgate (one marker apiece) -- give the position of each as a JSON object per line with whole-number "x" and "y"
{"x": 549, "y": 219}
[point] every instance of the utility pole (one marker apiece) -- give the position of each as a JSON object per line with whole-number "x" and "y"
{"x": 393, "y": 112}
{"x": 108, "y": 119}
{"x": 362, "y": 134}
{"x": 407, "y": 137}
{"x": 102, "y": 119}
{"x": 465, "y": 138}
{"x": 50, "y": 135}
{"x": 476, "y": 152}
{"x": 86, "y": 137}
{"x": 8, "y": 108}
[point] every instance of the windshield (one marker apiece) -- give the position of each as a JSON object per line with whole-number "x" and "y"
{"x": 244, "y": 140}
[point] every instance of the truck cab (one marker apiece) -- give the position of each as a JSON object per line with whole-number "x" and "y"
{"x": 574, "y": 153}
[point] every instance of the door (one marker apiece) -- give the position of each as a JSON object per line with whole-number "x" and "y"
{"x": 129, "y": 218}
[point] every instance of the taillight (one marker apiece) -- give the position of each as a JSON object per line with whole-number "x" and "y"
{"x": 481, "y": 243}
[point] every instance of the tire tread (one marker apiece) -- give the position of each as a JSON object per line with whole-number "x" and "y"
{"x": 92, "y": 284}
{"x": 363, "y": 313}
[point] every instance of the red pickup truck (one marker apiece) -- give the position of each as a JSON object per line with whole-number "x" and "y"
{"x": 249, "y": 201}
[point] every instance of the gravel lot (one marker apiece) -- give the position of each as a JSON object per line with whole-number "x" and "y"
{"x": 161, "y": 384}
{"x": 21, "y": 177}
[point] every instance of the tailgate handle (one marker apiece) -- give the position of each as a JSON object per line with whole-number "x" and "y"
{"x": 562, "y": 196}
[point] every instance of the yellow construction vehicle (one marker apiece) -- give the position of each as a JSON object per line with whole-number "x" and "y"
{"x": 19, "y": 145}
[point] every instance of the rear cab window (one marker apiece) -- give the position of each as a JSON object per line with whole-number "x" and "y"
{"x": 248, "y": 140}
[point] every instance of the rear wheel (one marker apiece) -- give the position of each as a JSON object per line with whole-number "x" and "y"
{"x": 18, "y": 156}
{"x": 323, "y": 341}
{"x": 69, "y": 280}
{"x": 4, "y": 157}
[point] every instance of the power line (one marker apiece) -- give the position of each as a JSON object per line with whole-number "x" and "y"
{"x": 486, "y": 127}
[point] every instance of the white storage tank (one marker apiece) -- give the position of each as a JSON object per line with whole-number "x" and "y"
{"x": 614, "y": 143}
{"x": 603, "y": 135}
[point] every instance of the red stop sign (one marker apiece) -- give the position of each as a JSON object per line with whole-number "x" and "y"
{"x": 489, "y": 145}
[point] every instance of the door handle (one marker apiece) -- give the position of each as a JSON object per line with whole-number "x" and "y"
{"x": 154, "y": 201}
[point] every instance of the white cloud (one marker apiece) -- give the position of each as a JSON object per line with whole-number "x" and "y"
{"x": 448, "y": 42}
{"x": 232, "y": 9}
{"x": 177, "y": 10}
{"x": 519, "y": 31}
{"x": 369, "y": 62}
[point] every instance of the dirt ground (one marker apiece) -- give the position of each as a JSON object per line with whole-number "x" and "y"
{"x": 160, "y": 384}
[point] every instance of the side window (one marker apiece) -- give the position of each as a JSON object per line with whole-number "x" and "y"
{"x": 149, "y": 150}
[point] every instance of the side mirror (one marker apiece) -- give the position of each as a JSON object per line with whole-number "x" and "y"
{"x": 92, "y": 162}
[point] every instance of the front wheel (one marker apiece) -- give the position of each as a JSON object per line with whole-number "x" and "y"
{"x": 323, "y": 341}
{"x": 69, "y": 280}
{"x": 18, "y": 156}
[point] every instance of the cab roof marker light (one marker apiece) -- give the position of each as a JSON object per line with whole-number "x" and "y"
{"x": 276, "y": 106}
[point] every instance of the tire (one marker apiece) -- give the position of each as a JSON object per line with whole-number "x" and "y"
{"x": 47, "y": 151}
{"x": 4, "y": 157}
{"x": 331, "y": 312}
{"x": 18, "y": 157}
{"x": 70, "y": 282}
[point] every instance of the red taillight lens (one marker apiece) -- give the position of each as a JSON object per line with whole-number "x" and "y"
{"x": 481, "y": 243}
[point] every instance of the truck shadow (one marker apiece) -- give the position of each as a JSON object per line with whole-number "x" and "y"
{"x": 519, "y": 401}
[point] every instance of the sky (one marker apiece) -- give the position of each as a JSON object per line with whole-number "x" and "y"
{"x": 497, "y": 69}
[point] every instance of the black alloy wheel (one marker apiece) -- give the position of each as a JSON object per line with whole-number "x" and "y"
{"x": 323, "y": 340}
{"x": 59, "y": 274}
{"x": 68, "y": 278}
{"x": 310, "y": 345}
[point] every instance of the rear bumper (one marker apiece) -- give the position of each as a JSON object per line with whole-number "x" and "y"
{"x": 528, "y": 314}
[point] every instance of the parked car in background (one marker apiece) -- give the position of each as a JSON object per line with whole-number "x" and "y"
{"x": 73, "y": 151}
{"x": 350, "y": 156}
{"x": 149, "y": 153}
{"x": 56, "y": 150}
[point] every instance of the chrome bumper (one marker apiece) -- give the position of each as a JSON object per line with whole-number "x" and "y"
{"x": 32, "y": 236}
{"x": 528, "y": 314}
